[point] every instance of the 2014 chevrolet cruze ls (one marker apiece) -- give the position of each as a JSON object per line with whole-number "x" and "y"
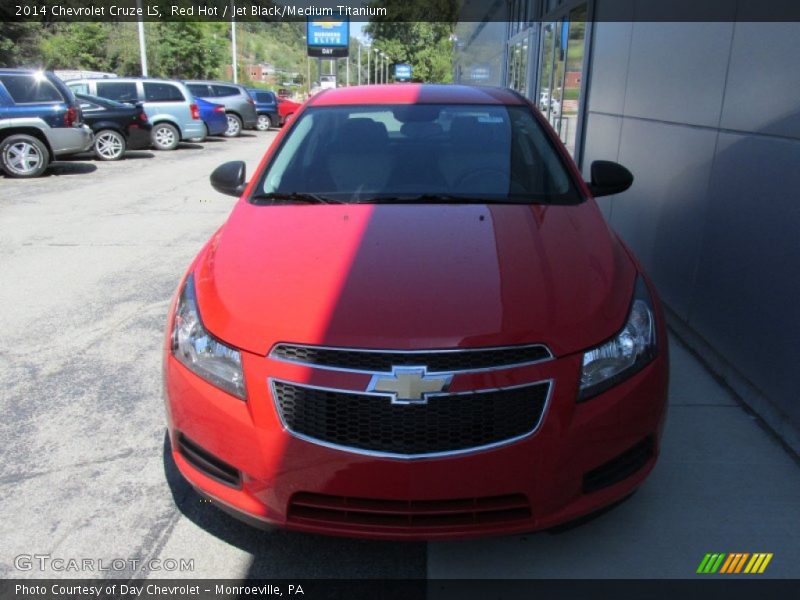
{"x": 415, "y": 323}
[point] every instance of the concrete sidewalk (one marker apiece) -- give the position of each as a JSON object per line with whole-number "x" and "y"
{"x": 723, "y": 484}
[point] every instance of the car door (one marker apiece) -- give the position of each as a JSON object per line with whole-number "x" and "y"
{"x": 164, "y": 101}
{"x": 199, "y": 90}
{"x": 120, "y": 91}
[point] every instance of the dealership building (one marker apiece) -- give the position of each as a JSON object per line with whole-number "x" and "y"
{"x": 706, "y": 114}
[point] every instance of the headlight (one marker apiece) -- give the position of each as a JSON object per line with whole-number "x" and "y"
{"x": 631, "y": 349}
{"x": 200, "y": 352}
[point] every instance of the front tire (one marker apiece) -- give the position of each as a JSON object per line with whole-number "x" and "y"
{"x": 234, "y": 126}
{"x": 165, "y": 137}
{"x": 264, "y": 122}
{"x": 109, "y": 145}
{"x": 23, "y": 156}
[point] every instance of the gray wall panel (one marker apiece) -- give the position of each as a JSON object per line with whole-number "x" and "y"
{"x": 764, "y": 79}
{"x": 662, "y": 215}
{"x": 714, "y": 214}
{"x": 677, "y": 71}
{"x": 748, "y": 282}
{"x": 609, "y": 69}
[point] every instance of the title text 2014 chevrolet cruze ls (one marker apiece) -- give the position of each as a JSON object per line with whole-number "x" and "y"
{"x": 415, "y": 323}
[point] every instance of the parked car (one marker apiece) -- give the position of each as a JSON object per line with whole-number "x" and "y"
{"x": 266, "y": 108}
{"x": 404, "y": 335}
{"x": 327, "y": 82}
{"x": 117, "y": 127}
{"x": 40, "y": 120}
{"x": 239, "y": 106}
{"x": 169, "y": 105}
{"x": 286, "y": 108}
{"x": 213, "y": 116}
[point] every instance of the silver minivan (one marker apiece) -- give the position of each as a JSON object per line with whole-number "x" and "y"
{"x": 239, "y": 105}
{"x": 169, "y": 105}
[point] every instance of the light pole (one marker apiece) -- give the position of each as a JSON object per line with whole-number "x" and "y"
{"x": 359, "y": 62}
{"x": 377, "y": 57}
{"x": 142, "y": 47}
{"x": 369, "y": 53}
{"x": 234, "y": 66}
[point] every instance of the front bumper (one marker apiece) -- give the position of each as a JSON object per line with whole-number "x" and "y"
{"x": 535, "y": 483}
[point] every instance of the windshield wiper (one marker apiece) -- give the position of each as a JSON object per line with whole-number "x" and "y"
{"x": 425, "y": 198}
{"x": 302, "y": 197}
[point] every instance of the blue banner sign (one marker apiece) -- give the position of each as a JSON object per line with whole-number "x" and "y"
{"x": 402, "y": 71}
{"x": 328, "y": 38}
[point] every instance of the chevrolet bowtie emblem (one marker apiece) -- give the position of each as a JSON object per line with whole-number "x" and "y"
{"x": 409, "y": 385}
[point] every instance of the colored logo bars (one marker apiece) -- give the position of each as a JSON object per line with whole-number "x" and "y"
{"x": 742, "y": 562}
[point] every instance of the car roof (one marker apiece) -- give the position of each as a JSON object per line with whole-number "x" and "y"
{"x": 17, "y": 71}
{"x": 214, "y": 81}
{"x": 416, "y": 93}
{"x": 124, "y": 79}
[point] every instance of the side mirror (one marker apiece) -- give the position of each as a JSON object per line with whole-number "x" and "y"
{"x": 609, "y": 178}
{"x": 228, "y": 178}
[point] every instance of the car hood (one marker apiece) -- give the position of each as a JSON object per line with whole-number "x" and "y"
{"x": 414, "y": 276}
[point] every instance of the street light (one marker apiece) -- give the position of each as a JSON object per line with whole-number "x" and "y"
{"x": 369, "y": 53}
{"x": 377, "y": 56}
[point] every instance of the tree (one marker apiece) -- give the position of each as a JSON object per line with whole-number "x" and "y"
{"x": 77, "y": 46}
{"x": 19, "y": 44}
{"x": 187, "y": 50}
{"x": 426, "y": 46}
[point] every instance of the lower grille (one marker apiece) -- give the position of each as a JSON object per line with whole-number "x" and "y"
{"x": 370, "y": 423}
{"x": 339, "y": 510}
{"x": 207, "y": 463}
{"x": 619, "y": 468}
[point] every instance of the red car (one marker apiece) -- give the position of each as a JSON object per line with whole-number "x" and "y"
{"x": 416, "y": 324}
{"x": 286, "y": 108}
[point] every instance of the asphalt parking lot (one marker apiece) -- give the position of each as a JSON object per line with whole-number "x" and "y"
{"x": 89, "y": 257}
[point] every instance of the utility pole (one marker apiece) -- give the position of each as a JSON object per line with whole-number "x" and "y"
{"x": 359, "y": 62}
{"x": 369, "y": 51}
{"x": 142, "y": 47}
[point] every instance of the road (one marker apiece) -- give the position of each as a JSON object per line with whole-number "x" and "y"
{"x": 89, "y": 258}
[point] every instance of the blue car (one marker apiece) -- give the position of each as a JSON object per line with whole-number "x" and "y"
{"x": 266, "y": 107}
{"x": 213, "y": 116}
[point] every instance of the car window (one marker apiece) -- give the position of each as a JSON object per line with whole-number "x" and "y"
{"x": 121, "y": 91}
{"x": 162, "y": 92}
{"x": 491, "y": 153}
{"x": 220, "y": 91}
{"x": 30, "y": 89}
{"x": 198, "y": 89}
{"x": 263, "y": 97}
{"x": 79, "y": 88}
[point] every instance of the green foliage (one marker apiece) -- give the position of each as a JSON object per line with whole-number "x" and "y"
{"x": 19, "y": 44}
{"x": 77, "y": 46}
{"x": 187, "y": 50}
{"x": 426, "y": 46}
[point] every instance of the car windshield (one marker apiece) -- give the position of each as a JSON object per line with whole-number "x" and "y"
{"x": 417, "y": 153}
